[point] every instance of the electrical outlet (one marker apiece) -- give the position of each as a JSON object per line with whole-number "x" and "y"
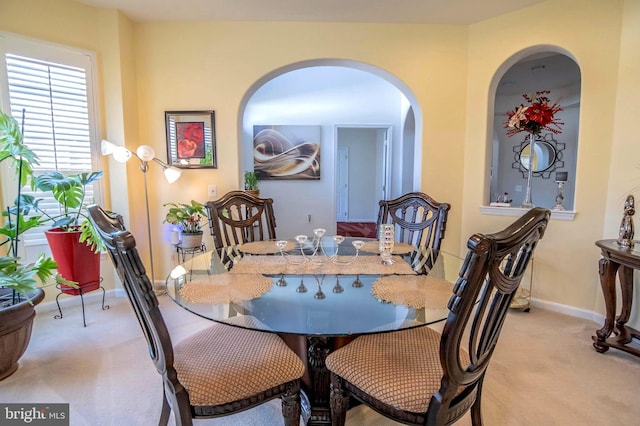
{"x": 308, "y": 218}
{"x": 212, "y": 191}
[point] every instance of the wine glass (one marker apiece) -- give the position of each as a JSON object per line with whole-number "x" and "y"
{"x": 282, "y": 282}
{"x": 301, "y": 288}
{"x": 357, "y": 283}
{"x": 337, "y": 288}
{"x": 319, "y": 294}
{"x": 301, "y": 239}
{"x": 281, "y": 244}
{"x": 319, "y": 233}
{"x": 358, "y": 244}
{"x": 337, "y": 239}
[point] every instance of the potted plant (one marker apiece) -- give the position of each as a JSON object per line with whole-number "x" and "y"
{"x": 19, "y": 281}
{"x": 251, "y": 181}
{"x": 75, "y": 244}
{"x": 190, "y": 217}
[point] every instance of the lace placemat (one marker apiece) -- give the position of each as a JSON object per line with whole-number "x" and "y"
{"x": 274, "y": 265}
{"x": 418, "y": 291}
{"x": 225, "y": 288}
{"x": 264, "y": 247}
{"x": 398, "y": 248}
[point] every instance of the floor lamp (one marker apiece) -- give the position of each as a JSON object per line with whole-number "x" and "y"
{"x": 145, "y": 154}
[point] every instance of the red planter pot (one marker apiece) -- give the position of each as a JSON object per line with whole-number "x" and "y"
{"x": 76, "y": 261}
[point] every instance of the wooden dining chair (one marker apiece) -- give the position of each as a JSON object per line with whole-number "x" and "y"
{"x": 239, "y": 217}
{"x": 420, "y": 221}
{"x": 215, "y": 372}
{"x": 419, "y": 376}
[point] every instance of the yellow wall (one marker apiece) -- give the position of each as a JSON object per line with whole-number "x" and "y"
{"x": 566, "y": 269}
{"x": 148, "y": 68}
{"x": 212, "y": 65}
{"x": 624, "y": 170}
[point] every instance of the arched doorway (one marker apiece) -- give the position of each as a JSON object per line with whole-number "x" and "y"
{"x": 330, "y": 94}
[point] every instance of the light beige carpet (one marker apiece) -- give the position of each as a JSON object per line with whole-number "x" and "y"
{"x": 544, "y": 372}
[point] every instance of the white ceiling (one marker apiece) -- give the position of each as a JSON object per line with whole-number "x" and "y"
{"x": 391, "y": 11}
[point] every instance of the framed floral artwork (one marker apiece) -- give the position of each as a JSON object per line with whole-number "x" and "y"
{"x": 191, "y": 139}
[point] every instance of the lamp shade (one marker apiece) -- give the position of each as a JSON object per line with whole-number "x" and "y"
{"x": 121, "y": 154}
{"x": 172, "y": 174}
{"x": 107, "y": 147}
{"x": 145, "y": 153}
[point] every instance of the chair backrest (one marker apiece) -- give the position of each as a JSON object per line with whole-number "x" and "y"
{"x": 240, "y": 217}
{"x": 420, "y": 221}
{"x": 122, "y": 248}
{"x": 488, "y": 280}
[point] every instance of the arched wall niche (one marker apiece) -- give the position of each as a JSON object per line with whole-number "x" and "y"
{"x": 542, "y": 67}
{"x": 261, "y": 106}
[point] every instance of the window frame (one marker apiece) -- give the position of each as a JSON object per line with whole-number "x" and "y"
{"x": 63, "y": 55}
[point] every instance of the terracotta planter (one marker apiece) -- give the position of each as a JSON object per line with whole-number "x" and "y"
{"x": 76, "y": 261}
{"x": 191, "y": 240}
{"x": 16, "y": 323}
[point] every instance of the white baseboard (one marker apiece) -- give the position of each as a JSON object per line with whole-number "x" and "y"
{"x": 567, "y": 310}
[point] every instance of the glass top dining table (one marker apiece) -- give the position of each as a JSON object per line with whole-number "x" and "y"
{"x": 311, "y": 289}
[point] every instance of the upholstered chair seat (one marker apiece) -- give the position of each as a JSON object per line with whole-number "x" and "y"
{"x": 210, "y": 362}
{"x": 401, "y": 369}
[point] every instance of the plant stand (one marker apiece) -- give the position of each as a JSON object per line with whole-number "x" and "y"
{"x": 80, "y": 292}
{"x": 183, "y": 252}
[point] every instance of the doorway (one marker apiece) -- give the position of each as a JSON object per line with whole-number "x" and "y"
{"x": 362, "y": 176}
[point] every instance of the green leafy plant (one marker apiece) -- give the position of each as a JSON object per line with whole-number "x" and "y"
{"x": 189, "y": 216}
{"x": 251, "y": 180}
{"x": 14, "y": 274}
{"x": 69, "y": 192}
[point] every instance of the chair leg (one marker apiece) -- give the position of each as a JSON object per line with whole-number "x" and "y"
{"x": 166, "y": 411}
{"x": 476, "y": 408}
{"x": 291, "y": 405}
{"x": 339, "y": 402}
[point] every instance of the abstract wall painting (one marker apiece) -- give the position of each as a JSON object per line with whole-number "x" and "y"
{"x": 286, "y": 152}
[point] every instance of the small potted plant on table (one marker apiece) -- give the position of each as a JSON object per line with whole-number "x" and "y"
{"x": 190, "y": 217}
{"x": 251, "y": 181}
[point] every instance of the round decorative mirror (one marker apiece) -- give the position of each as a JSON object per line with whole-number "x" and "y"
{"x": 547, "y": 156}
{"x": 544, "y": 156}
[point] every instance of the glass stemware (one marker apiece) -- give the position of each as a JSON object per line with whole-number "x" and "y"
{"x": 300, "y": 239}
{"x": 319, "y": 294}
{"x": 337, "y": 240}
{"x": 301, "y": 288}
{"x": 281, "y": 244}
{"x": 357, "y": 283}
{"x": 337, "y": 288}
{"x": 281, "y": 281}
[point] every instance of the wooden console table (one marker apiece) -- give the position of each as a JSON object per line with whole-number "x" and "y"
{"x": 622, "y": 261}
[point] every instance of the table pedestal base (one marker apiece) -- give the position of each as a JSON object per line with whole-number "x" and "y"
{"x": 314, "y": 398}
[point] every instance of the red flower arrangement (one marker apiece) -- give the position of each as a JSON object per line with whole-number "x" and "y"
{"x": 539, "y": 115}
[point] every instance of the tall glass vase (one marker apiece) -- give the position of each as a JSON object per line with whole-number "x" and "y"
{"x": 527, "y": 203}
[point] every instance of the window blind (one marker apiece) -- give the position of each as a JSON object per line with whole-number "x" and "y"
{"x": 52, "y": 101}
